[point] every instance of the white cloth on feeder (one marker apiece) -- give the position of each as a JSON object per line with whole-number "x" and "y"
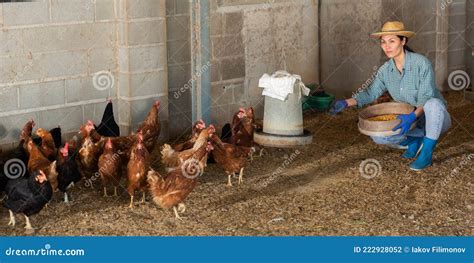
{"x": 281, "y": 84}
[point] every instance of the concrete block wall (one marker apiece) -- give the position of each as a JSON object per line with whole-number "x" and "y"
{"x": 179, "y": 66}
{"x": 52, "y": 49}
{"x": 457, "y": 38}
{"x": 349, "y": 57}
{"x": 48, "y": 59}
{"x": 227, "y": 62}
{"x": 142, "y": 60}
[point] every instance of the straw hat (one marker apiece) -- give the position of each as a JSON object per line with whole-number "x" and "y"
{"x": 393, "y": 28}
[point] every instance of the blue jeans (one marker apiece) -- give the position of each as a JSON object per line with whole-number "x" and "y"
{"x": 434, "y": 122}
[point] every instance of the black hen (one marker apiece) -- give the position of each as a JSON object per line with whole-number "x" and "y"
{"x": 68, "y": 173}
{"x": 108, "y": 127}
{"x": 57, "y": 137}
{"x": 27, "y": 195}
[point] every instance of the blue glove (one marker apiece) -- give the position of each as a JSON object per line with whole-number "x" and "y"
{"x": 406, "y": 122}
{"x": 338, "y": 106}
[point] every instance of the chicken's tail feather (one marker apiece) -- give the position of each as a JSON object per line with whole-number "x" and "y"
{"x": 226, "y": 132}
{"x": 155, "y": 183}
{"x": 166, "y": 151}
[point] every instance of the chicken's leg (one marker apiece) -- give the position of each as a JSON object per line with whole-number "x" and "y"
{"x": 241, "y": 175}
{"x": 115, "y": 191}
{"x": 252, "y": 151}
{"x": 105, "y": 192}
{"x": 12, "y": 219}
{"x": 131, "y": 201}
{"x": 28, "y": 224}
{"x": 66, "y": 198}
{"x": 143, "y": 198}
{"x": 229, "y": 181}
{"x": 176, "y": 214}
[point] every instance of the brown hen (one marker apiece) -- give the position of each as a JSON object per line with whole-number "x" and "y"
{"x": 189, "y": 143}
{"x": 89, "y": 153}
{"x": 47, "y": 146}
{"x": 151, "y": 127}
{"x": 172, "y": 191}
{"x": 173, "y": 159}
{"x": 38, "y": 162}
{"x": 230, "y": 157}
{"x": 110, "y": 167}
{"x": 137, "y": 168}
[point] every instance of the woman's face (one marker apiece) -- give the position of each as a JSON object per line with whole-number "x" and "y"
{"x": 392, "y": 45}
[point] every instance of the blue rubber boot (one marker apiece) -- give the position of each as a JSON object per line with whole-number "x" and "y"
{"x": 414, "y": 144}
{"x": 425, "y": 158}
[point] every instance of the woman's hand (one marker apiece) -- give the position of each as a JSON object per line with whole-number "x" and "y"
{"x": 341, "y": 105}
{"x": 406, "y": 122}
{"x": 338, "y": 106}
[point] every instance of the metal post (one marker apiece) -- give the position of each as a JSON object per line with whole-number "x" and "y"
{"x": 200, "y": 61}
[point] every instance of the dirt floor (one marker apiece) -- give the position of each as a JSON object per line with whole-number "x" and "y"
{"x": 319, "y": 191}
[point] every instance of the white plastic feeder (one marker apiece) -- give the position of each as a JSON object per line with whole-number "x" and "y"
{"x": 283, "y": 121}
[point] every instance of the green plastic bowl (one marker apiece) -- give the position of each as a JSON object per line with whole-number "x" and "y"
{"x": 321, "y": 101}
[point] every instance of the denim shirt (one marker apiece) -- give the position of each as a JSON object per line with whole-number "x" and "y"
{"x": 415, "y": 85}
